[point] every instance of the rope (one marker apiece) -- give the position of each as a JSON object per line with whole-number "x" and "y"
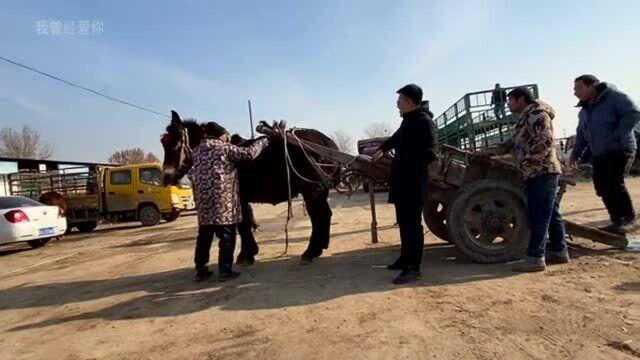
{"x": 72, "y": 84}
{"x": 289, "y": 168}
{"x": 289, "y": 200}
{"x": 289, "y": 161}
{"x": 309, "y": 158}
{"x": 290, "y": 164}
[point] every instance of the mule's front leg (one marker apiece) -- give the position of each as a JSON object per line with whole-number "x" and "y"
{"x": 317, "y": 205}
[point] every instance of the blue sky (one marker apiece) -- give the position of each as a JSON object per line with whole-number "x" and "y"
{"x": 331, "y": 65}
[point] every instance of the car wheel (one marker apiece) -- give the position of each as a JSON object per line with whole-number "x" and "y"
{"x": 149, "y": 215}
{"x": 87, "y": 226}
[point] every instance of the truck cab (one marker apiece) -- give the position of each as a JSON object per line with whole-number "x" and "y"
{"x": 136, "y": 191}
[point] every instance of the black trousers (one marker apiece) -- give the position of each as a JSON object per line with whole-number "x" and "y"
{"x": 609, "y": 171}
{"x": 227, "y": 237}
{"x": 409, "y": 218}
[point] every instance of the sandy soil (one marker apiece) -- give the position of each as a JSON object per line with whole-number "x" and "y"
{"x": 125, "y": 292}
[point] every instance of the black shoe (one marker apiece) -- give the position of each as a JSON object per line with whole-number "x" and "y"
{"x": 557, "y": 257}
{"x": 228, "y": 276}
{"x": 397, "y": 265}
{"x": 202, "y": 275}
{"x": 628, "y": 225}
{"x": 530, "y": 264}
{"x": 407, "y": 276}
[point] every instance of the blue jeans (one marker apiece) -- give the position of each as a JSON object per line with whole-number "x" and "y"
{"x": 544, "y": 215}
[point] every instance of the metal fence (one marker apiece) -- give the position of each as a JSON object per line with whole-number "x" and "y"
{"x": 472, "y": 123}
{"x": 4, "y": 185}
{"x": 66, "y": 181}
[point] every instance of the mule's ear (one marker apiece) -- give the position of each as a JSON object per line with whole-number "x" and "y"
{"x": 175, "y": 118}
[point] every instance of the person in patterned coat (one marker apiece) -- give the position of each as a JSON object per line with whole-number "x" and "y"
{"x": 540, "y": 167}
{"x": 216, "y": 190}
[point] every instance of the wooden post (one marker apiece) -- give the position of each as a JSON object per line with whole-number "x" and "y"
{"x": 251, "y": 120}
{"x": 374, "y": 221}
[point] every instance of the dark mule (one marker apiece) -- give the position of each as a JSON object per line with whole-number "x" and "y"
{"x": 53, "y": 198}
{"x": 263, "y": 180}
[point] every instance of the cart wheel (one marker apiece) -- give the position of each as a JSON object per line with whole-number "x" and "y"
{"x": 488, "y": 222}
{"x": 435, "y": 216}
{"x": 149, "y": 215}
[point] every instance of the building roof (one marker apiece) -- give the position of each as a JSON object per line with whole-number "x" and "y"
{"x": 53, "y": 162}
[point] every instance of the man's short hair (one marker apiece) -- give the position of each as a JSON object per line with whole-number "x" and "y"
{"x": 587, "y": 79}
{"x": 413, "y": 92}
{"x": 522, "y": 92}
{"x": 213, "y": 129}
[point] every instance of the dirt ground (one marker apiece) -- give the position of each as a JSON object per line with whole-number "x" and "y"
{"x": 125, "y": 292}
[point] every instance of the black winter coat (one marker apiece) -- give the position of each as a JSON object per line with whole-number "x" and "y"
{"x": 415, "y": 146}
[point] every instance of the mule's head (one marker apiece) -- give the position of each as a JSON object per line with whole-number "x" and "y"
{"x": 176, "y": 143}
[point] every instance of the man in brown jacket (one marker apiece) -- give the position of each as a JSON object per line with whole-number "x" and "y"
{"x": 538, "y": 162}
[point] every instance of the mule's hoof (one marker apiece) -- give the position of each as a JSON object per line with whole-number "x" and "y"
{"x": 245, "y": 261}
{"x": 306, "y": 260}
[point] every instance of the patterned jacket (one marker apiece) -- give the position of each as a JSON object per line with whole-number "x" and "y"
{"x": 533, "y": 143}
{"x": 215, "y": 180}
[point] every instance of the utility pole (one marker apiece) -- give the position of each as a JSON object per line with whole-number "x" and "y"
{"x": 251, "y": 119}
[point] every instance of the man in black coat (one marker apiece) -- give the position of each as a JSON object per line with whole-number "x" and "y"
{"x": 414, "y": 144}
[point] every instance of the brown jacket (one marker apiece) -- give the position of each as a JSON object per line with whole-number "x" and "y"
{"x": 533, "y": 142}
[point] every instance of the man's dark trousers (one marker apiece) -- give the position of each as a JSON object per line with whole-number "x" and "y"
{"x": 227, "y": 236}
{"x": 409, "y": 217}
{"x": 608, "y": 179}
{"x": 544, "y": 215}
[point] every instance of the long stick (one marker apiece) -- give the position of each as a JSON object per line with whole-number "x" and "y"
{"x": 251, "y": 120}
{"x": 374, "y": 220}
{"x": 597, "y": 235}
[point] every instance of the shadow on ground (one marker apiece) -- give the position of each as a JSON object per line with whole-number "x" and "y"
{"x": 14, "y": 248}
{"x": 270, "y": 284}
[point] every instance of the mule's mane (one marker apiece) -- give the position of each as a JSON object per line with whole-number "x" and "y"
{"x": 195, "y": 131}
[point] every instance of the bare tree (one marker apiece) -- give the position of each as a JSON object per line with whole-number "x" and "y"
{"x": 378, "y": 129}
{"x": 151, "y": 158}
{"x": 344, "y": 141}
{"x": 24, "y": 143}
{"x": 132, "y": 156}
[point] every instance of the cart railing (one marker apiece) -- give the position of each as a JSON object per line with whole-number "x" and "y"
{"x": 65, "y": 182}
{"x": 471, "y": 123}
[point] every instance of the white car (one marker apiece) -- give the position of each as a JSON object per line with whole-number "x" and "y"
{"x": 23, "y": 219}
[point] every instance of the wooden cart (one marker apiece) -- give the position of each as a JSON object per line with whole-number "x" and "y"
{"x": 474, "y": 202}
